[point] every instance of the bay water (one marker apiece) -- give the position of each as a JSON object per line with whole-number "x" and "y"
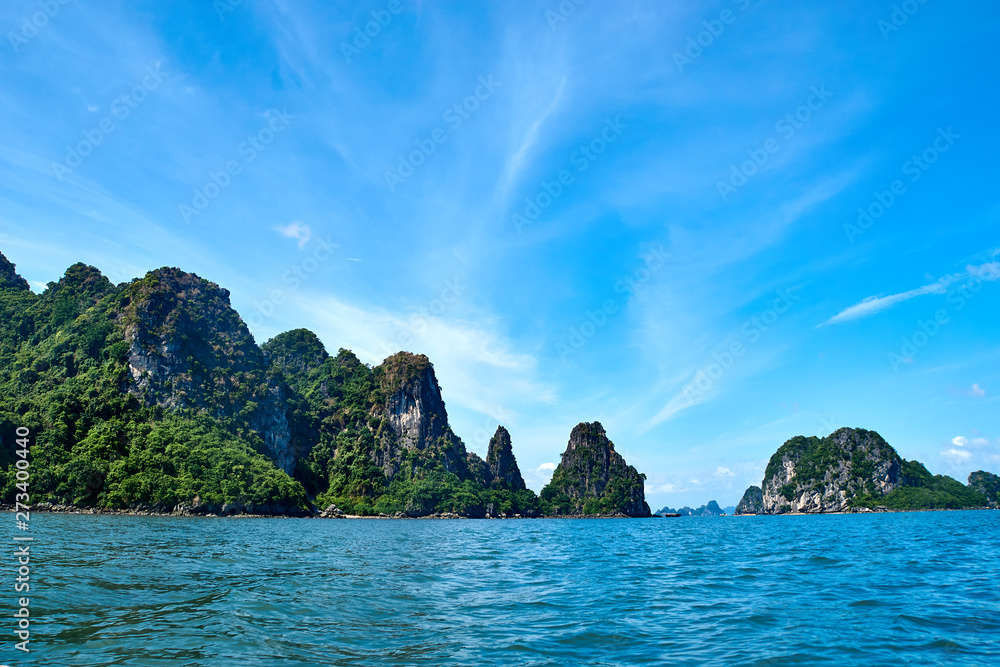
{"x": 919, "y": 588}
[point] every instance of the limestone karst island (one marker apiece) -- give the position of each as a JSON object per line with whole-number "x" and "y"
{"x": 153, "y": 396}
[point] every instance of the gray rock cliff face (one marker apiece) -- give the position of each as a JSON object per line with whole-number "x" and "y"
{"x": 415, "y": 418}
{"x": 270, "y": 420}
{"x": 815, "y": 475}
{"x": 752, "y": 501}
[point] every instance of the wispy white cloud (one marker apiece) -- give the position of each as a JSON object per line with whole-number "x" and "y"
{"x": 956, "y": 455}
{"x": 517, "y": 160}
{"x": 724, "y": 472}
{"x": 536, "y": 478}
{"x": 682, "y": 401}
{"x": 296, "y": 230}
{"x": 477, "y": 367}
{"x": 876, "y": 304}
{"x": 971, "y": 451}
{"x": 989, "y": 271}
{"x": 663, "y": 488}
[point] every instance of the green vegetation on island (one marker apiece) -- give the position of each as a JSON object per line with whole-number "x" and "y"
{"x": 854, "y": 470}
{"x": 593, "y": 478}
{"x": 153, "y": 394}
{"x": 987, "y": 484}
{"x": 64, "y": 373}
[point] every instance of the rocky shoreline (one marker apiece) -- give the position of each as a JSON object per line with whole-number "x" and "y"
{"x": 332, "y": 512}
{"x": 877, "y": 510}
{"x": 50, "y": 508}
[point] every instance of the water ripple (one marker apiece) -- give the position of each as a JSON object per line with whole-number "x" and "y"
{"x": 917, "y": 588}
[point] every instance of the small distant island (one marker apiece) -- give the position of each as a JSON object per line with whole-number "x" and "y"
{"x": 710, "y": 509}
{"x": 153, "y": 397}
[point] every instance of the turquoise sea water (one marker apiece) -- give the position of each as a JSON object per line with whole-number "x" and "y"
{"x": 914, "y": 588}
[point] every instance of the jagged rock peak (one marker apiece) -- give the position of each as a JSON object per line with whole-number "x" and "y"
{"x": 752, "y": 501}
{"x": 711, "y": 509}
{"x": 187, "y": 344}
{"x": 187, "y": 286}
{"x": 590, "y": 436}
{"x": 9, "y": 278}
{"x": 414, "y": 406}
{"x": 298, "y": 351}
{"x": 502, "y": 464}
{"x": 593, "y": 478}
{"x": 416, "y": 417}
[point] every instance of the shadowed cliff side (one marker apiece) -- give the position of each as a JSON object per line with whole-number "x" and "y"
{"x": 752, "y": 501}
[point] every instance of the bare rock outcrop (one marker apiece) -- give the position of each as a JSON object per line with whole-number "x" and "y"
{"x": 414, "y": 419}
{"x": 816, "y": 475}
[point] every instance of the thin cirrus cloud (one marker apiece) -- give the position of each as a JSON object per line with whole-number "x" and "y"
{"x": 516, "y": 162}
{"x": 876, "y": 304}
{"x": 681, "y": 401}
{"x": 873, "y": 305}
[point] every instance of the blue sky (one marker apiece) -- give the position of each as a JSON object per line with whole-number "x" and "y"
{"x": 645, "y": 214}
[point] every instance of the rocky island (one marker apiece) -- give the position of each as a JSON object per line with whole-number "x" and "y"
{"x": 752, "y": 501}
{"x": 854, "y": 470}
{"x": 153, "y": 396}
{"x": 987, "y": 484}
{"x": 592, "y": 478}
